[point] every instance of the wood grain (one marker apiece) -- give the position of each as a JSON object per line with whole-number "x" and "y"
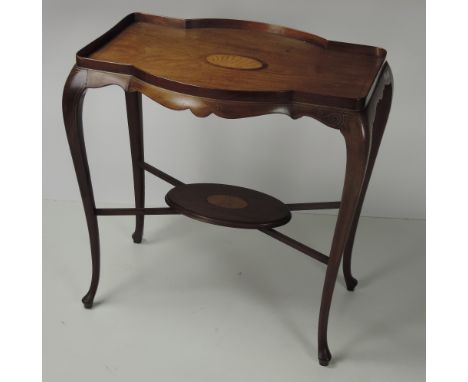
{"x": 212, "y": 66}
{"x": 229, "y": 206}
{"x": 298, "y": 67}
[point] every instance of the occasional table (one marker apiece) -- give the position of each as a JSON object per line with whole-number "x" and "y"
{"x": 235, "y": 69}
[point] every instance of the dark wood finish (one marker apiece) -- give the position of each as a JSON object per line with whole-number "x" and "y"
{"x": 357, "y": 133}
{"x": 160, "y": 174}
{"x": 379, "y": 109}
{"x": 135, "y": 128}
{"x": 202, "y": 107}
{"x": 313, "y": 206}
{"x": 298, "y": 67}
{"x": 236, "y": 69}
{"x": 296, "y": 245}
{"x": 72, "y": 105}
{"x": 229, "y": 206}
{"x": 135, "y": 211}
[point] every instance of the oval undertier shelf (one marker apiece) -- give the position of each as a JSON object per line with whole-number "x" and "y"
{"x": 229, "y": 206}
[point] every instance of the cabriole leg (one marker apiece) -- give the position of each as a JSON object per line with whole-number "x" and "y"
{"x": 356, "y": 161}
{"x": 376, "y": 115}
{"x": 135, "y": 127}
{"x": 363, "y": 133}
{"x": 72, "y": 104}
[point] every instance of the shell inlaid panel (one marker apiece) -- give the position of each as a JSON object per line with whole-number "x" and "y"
{"x": 227, "y": 201}
{"x": 233, "y": 61}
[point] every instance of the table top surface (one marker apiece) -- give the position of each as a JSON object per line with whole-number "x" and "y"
{"x": 237, "y": 60}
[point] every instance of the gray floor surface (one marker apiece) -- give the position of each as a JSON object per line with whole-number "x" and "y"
{"x": 197, "y": 302}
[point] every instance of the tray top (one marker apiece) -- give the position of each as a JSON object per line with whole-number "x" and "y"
{"x": 237, "y": 60}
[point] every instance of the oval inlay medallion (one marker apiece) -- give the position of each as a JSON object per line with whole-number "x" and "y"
{"x": 227, "y": 201}
{"x": 233, "y": 61}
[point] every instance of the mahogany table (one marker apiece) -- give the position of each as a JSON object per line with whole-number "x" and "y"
{"x": 235, "y": 69}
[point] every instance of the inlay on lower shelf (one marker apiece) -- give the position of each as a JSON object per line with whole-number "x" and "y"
{"x": 235, "y": 69}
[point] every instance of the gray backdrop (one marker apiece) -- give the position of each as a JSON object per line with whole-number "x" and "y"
{"x": 296, "y": 161}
